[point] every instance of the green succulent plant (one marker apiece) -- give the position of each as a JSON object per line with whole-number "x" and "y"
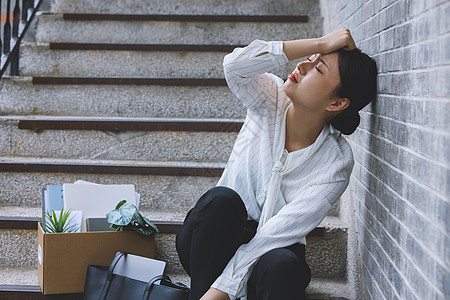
{"x": 127, "y": 217}
{"x": 52, "y": 224}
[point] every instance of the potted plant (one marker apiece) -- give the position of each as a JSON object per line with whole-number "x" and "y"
{"x": 51, "y": 223}
{"x": 127, "y": 217}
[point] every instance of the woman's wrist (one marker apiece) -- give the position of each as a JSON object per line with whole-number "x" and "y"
{"x": 320, "y": 45}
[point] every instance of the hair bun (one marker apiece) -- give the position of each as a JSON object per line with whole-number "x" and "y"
{"x": 346, "y": 122}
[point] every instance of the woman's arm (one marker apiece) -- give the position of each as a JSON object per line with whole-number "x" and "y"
{"x": 338, "y": 39}
{"x": 245, "y": 71}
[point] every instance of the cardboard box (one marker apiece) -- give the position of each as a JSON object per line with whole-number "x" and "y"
{"x": 63, "y": 258}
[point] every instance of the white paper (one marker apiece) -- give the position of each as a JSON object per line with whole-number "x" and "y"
{"x": 137, "y": 195}
{"x": 96, "y": 200}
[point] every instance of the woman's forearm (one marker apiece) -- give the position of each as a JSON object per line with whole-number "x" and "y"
{"x": 301, "y": 48}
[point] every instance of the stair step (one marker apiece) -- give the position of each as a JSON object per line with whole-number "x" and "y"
{"x": 26, "y": 223}
{"x": 186, "y": 18}
{"x": 39, "y": 60}
{"x": 199, "y": 7}
{"x": 26, "y": 217}
{"x": 111, "y": 167}
{"x": 326, "y": 250}
{"x": 166, "y": 186}
{"x": 22, "y": 283}
{"x": 168, "y": 221}
{"x": 167, "y": 227}
{"x": 39, "y": 123}
{"x": 163, "y": 186}
{"x": 143, "y": 47}
{"x": 20, "y": 96}
{"x": 134, "y": 139}
{"x": 56, "y": 80}
{"x": 54, "y": 28}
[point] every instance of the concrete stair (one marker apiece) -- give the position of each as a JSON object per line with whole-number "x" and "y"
{"x": 41, "y": 60}
{"x": 195, "y": 7}
{"x": 98, "y": 66}
{"x": 20, "y": 96}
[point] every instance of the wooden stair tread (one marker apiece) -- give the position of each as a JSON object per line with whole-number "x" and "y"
{"x": 141, "y": 47}
{"x": 54, "y": 80}
{"x": 167, "y": 227}
{"x": 128, "y": 124}
{"x": 123, "y": 168}
{"x": 187, "y": 18}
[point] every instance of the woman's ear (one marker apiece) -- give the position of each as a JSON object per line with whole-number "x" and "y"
{"x": 338, "y": 104}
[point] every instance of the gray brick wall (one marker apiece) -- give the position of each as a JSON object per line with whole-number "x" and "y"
{"x": 401, "y": 180}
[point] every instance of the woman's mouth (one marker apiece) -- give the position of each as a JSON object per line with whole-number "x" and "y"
{"x": 293, "y": 77}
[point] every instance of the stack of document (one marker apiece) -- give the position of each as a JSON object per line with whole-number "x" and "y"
{"x": 86, "y": 199}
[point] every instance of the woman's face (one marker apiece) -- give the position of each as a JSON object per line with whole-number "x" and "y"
{"x": 313, "y": 82}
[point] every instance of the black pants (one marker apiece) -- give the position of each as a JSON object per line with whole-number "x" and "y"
{"x": 212, "y": 232}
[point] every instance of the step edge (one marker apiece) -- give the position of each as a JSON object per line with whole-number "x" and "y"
{"x": 39, "y": 123}
{"x": 187, "y": 18}
{"x": 119, "y": 168}
{"x": 71, "y": 80}
{"x": 165, "y": 227}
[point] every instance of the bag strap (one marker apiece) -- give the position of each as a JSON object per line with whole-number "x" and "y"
{"x": 113, "y": 264}
{"x": 152, "y": 281}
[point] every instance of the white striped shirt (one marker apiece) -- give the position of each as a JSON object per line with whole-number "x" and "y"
{"x": 307, "y": 182}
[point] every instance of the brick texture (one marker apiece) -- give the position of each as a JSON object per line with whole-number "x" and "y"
{"x": 401, "y": 180}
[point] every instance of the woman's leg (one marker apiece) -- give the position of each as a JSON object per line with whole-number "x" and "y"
{"x": 210, "y": 235}
{"x": 280, "y": 274}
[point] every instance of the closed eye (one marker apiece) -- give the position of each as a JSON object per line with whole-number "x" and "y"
{"x": 318, "y": 70}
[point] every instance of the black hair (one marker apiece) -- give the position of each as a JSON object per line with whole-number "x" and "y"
{"x": 358, "y": 74}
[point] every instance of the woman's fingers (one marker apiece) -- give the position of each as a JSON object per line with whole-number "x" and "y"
{"x": 350, "y": 43}
{"x": 340, "y": 38}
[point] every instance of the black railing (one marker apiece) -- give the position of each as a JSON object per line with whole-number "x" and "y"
{"x": 22, "y": 16}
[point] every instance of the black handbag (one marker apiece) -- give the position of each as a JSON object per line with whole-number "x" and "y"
{"x": 102, "y": 284}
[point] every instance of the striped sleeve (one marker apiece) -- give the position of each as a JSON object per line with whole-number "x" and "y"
{"x": 245, "y": 70}
{"x": 293, "y": 222}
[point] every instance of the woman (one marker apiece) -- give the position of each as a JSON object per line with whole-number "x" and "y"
{"x": 245, "y": 238}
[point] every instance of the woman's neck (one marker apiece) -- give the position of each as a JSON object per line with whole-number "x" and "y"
{"x": 302, "y": 128}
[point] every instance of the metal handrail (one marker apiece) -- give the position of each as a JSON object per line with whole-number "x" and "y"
{"x": 12, "y": 37}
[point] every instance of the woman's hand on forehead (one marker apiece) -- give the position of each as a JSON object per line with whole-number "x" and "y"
{"x": 331, "y": 42}
{"x": 338, "y": 39}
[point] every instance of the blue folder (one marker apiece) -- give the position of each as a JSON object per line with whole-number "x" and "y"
{"x": 52, "y": 199}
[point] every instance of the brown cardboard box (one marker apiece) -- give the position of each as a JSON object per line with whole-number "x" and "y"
{"x": 63, "y": 258}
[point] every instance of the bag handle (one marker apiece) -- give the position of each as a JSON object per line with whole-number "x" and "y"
{"x": 152, "y": 281}
{"x": 113, "y": 264}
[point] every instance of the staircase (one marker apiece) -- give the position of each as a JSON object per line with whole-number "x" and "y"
{"x": 133, "y": 92}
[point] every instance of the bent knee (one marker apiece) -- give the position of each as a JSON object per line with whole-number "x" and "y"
{"x": 280, "y": 259}
{"x": 283, "y": 263}
{"x": 220, "y": 202}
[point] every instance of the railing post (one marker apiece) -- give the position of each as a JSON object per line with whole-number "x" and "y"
{"x": 26, "y": 5}
{"x": 7, "y": 30}
{"x": 14, "y": 68}
{"x": 1, "y": 44}
{"x": 16, "y": 17}
{"x": 24, "y": 11}
{"x": 14, "y": 64}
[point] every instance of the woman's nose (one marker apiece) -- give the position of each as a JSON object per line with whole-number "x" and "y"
{"x": 305, "y": 66}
